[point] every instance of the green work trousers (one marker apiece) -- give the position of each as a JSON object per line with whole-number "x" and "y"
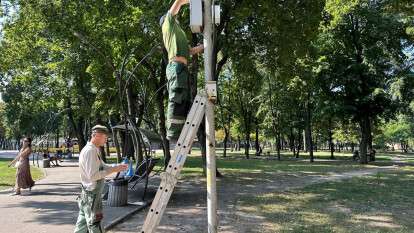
{"x": 179, "y": 98}
{"x": 90, "y": 210}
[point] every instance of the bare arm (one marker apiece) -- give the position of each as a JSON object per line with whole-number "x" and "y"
{"x": 90, "y": 166}
{"x": 109, "y": 170}
{"x": 175, "y": 8}
{"x": 14, "y": 160}
{"x": 18, "y": 156}
{"x": 196, "y": 50}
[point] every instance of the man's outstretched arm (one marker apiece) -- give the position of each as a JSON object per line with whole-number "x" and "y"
{"x": 196, "y": 50}
{"x": 175, "y": 8}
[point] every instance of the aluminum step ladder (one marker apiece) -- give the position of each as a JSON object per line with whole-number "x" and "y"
{"x": 170, "y": 176}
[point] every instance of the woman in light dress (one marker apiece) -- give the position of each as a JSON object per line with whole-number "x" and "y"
{"x": 23, "y": 177}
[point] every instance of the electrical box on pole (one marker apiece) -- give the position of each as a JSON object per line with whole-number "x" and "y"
{"x": 196, "y": 16}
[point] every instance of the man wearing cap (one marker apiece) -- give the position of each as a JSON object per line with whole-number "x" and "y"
{"x": 177, "y": 45}
{"x": 92, "y": 173}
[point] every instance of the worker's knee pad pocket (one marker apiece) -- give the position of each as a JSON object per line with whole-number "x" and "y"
{"x": 181, "y": 109}
{"x": 177, "y": 77}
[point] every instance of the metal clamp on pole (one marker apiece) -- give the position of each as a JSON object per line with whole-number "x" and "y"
{"x": 211, "y": 89}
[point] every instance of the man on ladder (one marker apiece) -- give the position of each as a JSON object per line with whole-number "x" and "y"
{"x": 182, "y": 122}
{"x": 179, "y": 51}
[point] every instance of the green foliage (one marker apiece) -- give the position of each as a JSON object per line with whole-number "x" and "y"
{"x": 362, "y": 52}
{"x": 399, "y": 131}
{"x": 64, "y": 62}
{"x": 346, "y": 134}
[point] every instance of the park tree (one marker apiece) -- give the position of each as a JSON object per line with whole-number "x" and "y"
{"x": 398, "y": 131}
{"x": 225, "y": 115}
{"x": 97, "y": 49}
{"x": 362, "y": 51}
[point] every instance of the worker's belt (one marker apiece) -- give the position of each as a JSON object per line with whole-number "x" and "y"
{"x": 181, "y": 60}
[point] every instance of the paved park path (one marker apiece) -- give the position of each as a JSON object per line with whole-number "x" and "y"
{"x": 51, "y": 205}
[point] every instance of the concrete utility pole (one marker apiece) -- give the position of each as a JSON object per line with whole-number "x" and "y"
{"x": 210, "y": 128}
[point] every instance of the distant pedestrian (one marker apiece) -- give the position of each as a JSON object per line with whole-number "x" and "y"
{"x": 21, "y": 162}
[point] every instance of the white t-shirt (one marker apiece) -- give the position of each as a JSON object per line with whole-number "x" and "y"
{"x": 89, "y": 163}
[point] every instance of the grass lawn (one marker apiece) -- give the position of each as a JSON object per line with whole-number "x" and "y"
{"x": 8, "y": 174}
{"x": 378, "y": 203}
{"x": 236, "y": 164}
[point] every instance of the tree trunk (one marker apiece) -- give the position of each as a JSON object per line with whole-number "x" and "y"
{"x": 116, "y": 142}
{"x": 278, "y": 145}
{"x": 308, "y": 132}
{"x": 369, "y": 141}
{"x": 247, "y": 144}
{"x": 201, "y": 135}
{"x": 298, "y": 144}
{"x": 305, "y": 143}
{"x": 57, "y": 138}
{"x": 292, "y": 142}
{"x": 134, "y": 136}
{"x": 127, "y": 146}
{"x": 226, "y": 138}
{"x": 141, "y": 147}
{"x": 80, "y": 134}
{"x": 256, "y": 144}
{"x": 331, "y": 145}
{"x": 76, "y": 125}
{"x": 364, "y": 125}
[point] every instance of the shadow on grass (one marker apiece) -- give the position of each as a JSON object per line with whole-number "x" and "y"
{"x": 379, "y": 203}
{"x": 234, "y": 165}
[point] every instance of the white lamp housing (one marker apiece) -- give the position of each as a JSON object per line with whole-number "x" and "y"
{"x": 196, "y": 16}
{"x": 216, "y": 11}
